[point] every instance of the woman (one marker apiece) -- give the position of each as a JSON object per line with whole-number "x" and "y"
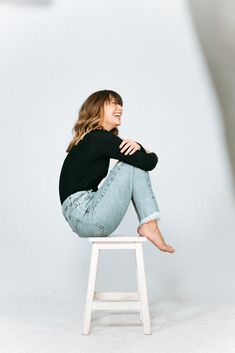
{"x": 98, "y": 212}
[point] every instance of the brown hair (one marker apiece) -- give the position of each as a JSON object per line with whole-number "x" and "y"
{"x": 90, "y": 113}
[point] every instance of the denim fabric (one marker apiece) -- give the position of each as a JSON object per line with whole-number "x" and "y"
{"x": 98, "y": 213}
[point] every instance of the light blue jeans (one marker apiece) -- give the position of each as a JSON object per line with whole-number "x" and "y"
{"x": 98, "y": 213}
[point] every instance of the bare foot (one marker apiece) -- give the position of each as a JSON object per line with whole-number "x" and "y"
{"x": 151, "y": 231}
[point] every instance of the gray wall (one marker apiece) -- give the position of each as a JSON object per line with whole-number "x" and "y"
{"x": 53, "y": 55}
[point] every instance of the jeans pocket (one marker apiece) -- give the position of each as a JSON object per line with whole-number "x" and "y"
{"x": 82, "y": 201}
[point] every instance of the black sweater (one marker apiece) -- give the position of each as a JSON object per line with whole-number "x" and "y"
{"x": 87, "y": 163}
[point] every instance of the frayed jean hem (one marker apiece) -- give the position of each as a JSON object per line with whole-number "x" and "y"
{"x": 155, "y": 215}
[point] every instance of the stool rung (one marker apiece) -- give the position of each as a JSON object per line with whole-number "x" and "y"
{"x": 109, "y": 305}
{"x": 116, "y": 296}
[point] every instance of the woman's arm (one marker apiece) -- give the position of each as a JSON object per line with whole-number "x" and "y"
{"x": 105, "y": 144}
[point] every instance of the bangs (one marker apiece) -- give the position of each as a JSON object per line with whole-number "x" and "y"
{"x": 115, "y": 96}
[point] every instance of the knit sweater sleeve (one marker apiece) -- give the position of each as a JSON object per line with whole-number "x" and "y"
{"x": 106, "y": 144}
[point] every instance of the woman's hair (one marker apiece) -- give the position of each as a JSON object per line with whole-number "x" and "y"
{"x": 90, "y": 113}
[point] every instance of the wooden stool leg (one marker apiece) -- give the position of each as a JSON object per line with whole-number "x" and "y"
{"x": 143, "y": 289}
{"x": 138, "y": 285}
{"x": 91, "y": 289}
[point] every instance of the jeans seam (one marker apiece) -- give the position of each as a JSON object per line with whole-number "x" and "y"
{"x": 114, "y": 174}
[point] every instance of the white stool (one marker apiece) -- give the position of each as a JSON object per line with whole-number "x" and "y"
{"x": 117, "y": 300}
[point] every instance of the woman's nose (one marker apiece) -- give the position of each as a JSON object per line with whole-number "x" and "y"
{"x": 119, "y": 107}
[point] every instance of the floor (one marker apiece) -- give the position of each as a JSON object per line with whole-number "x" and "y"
{"x": 178, "y": 325}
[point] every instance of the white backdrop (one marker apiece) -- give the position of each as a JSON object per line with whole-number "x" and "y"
{"x": 53, "y": 55}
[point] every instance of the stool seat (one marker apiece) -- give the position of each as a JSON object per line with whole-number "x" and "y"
{"x": 118, "y": 239}
{"x": 117, "y": 300}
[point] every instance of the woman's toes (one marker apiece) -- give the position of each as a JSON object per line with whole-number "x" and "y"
{"x": 170, "y": 249}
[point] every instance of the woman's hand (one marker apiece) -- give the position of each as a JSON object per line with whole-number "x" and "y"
{"x": 129, "y": 146}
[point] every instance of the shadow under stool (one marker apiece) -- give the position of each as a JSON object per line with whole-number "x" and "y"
{"x": 127, "y": 301}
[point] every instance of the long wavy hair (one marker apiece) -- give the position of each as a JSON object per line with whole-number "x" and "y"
{"x": 90, "y": 114}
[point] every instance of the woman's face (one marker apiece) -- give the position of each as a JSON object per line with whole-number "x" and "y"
{"x": 112, "y": 115}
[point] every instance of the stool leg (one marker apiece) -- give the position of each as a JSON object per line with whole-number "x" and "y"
{"x": 143, "y": 289}
{"x": 138, "y": 285}
{"x": 91, "y": 289}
